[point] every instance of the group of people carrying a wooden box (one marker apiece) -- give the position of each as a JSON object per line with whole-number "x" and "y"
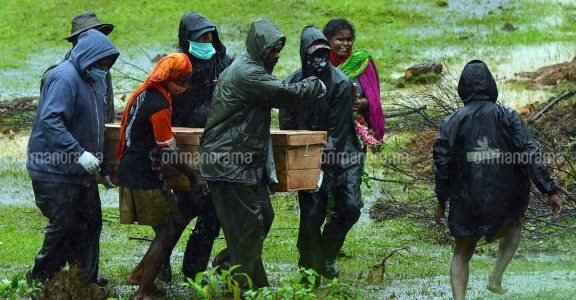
{"x": 202, "y": 86}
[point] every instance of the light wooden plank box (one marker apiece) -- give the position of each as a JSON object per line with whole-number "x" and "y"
{"x": 297, "y": 156}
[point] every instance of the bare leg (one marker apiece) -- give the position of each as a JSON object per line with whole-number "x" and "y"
{"x": 145, "y": 273}
{"x": 459, "y": 271}
{"x": 506, "y": 250}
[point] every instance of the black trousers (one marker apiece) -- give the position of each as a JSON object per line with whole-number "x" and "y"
{"x": 73, "y": 232}
{"x": 199, "y": 246}
{"x": 317, "y": 245}
{"x": 246, "y": 214}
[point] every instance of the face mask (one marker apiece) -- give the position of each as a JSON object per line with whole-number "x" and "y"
{"x": 175, "y": 89}
{"x": 202, "y": 50}
{"x": 97, "y": 74}
{"x": 317, "y": 64}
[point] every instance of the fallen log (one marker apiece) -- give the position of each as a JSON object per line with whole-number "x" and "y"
{"x": 552, "y": 102}
{"x": 404, "y": 113}
{"x": 131, "y": 238}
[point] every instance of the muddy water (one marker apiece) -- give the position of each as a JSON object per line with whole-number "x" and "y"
{"x": 25, "y": 81}
{"x": 377, "y": 192}
{"x": 530, "y": 58}
{"x": 505, "y": 63}
{"x": 478, "y": 8}
{"x": 15, "y": 185}
{"x": 518, "y": 285}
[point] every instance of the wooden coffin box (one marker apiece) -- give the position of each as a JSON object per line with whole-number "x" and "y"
{"x": 188, "y": 141}
{"x": 297, "y": 155}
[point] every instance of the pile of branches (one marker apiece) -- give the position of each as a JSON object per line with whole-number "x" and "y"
{"x": 18, "y": 114}
{"x": 413, "y": 161}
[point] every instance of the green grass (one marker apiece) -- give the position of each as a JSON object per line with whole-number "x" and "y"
{"x": 421, "y": 271}
{"x": 425, "y": 262}
{"x": 396, "y": 32}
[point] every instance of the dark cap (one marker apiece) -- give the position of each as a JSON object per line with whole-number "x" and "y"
{"x": 195, "y": 35}
{"x": 315, "y": 47}
{"x": 85, "y": 21}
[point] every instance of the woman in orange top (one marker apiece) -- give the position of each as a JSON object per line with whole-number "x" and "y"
{"x": 144, "y": 135}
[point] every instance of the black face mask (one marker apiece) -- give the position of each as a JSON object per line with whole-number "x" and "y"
{"x": 317, "y": 63}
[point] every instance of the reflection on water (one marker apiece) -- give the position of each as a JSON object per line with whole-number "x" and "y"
{"x": 505, "y": 63}
{"x": 530, "y": 58}
{"x": 513, "y": 97}
{"x": 518, "y": 285}
{"x": 478, "y": 8}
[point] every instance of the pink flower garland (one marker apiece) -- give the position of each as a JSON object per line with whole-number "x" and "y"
{"x": 364, "y": 134}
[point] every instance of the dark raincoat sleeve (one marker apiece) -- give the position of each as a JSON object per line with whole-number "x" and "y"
{"x": 110, "y": 116}
{"x": 58, "y": 106}
{"x": 269, "y": 90}
{"x": 532, "y": 158}
{"x": 110, "y": 112}
{"x": 288, "y": 117}
{"x": 442, "y": 165}
{"x": 345, "y": 96}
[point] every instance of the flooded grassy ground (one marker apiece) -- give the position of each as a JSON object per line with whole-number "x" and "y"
{"x": 397, "y": 34}
{"x": 419, "y": 273}
{"x": 541, "y": 268}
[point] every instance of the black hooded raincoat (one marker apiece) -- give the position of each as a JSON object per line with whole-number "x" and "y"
{"x": 342, "y": 162}
{"x": 190, "y": 109}
{"x": 484, "y": 158}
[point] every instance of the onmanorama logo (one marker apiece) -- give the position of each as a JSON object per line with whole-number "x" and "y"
{"x": 483, "y": 152}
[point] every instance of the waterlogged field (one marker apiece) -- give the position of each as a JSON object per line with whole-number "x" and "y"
{"x": 542, "y": 269}
{"x": 397, "y": 34}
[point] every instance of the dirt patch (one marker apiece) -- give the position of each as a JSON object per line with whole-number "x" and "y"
{"x": 556, "y": 76}
{"x": 419, "y": 154}
{"x": 556, "y": 132}
{"x": 382, "y": 210}
{"x": 69, "y": 284}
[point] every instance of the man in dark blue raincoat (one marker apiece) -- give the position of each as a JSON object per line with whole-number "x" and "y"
{"x": 65, "y": 151}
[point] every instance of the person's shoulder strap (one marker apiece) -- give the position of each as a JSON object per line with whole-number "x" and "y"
{"x": 47, "y": 71}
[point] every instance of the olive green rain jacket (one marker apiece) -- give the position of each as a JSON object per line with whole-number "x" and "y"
{"x": 235, "y": 141}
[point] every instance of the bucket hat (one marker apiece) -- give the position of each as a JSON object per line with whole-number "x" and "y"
{"x": 87, "y": 20}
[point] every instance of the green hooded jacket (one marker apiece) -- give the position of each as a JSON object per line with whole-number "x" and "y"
{"x": 235, "y": 141}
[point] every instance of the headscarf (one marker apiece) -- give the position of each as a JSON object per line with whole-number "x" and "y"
{"x": 355, "y": 64}
{"x": 172, "y": 67}
{"x": 359, "y": 65}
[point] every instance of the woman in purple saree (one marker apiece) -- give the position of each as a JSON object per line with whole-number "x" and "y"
{"x": 360, "y": 68}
